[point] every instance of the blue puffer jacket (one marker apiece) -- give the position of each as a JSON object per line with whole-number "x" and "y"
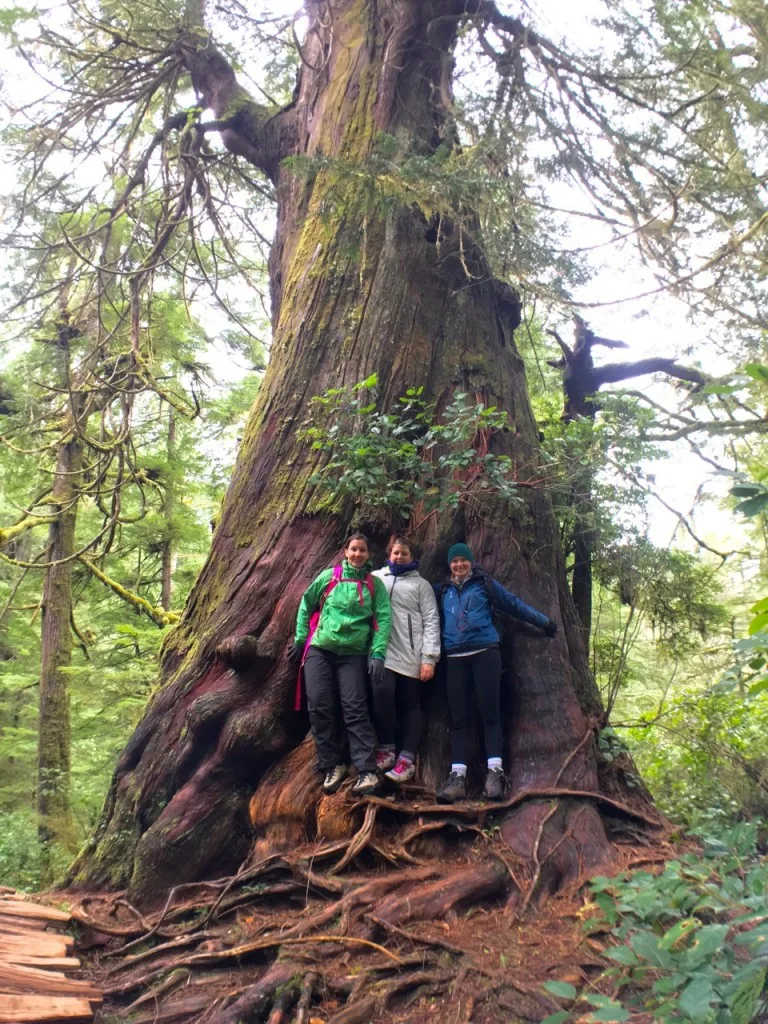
{"x": 467, "y": 612}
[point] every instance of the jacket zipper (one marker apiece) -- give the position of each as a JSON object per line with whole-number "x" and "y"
{"x": 410, "y": 631}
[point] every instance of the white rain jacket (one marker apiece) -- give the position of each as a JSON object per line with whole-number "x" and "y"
{"x": 415, "y": 637}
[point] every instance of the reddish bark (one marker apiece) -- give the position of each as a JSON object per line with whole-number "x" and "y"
{"x": 347, "y": 303}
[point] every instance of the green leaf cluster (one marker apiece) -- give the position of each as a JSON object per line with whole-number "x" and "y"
{"x": 691, "y": 941}
{"x": 407, "y": 458}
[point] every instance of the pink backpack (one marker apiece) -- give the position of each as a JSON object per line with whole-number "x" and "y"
{"x": 314, "y": 620}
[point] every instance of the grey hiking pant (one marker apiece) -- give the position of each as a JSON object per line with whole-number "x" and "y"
{"x": 333, "y": 680}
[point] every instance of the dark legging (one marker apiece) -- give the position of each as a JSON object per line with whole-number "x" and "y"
{"x": 333, "y": 679}
{"x": 478, "y": 674}
{"x": 397, "y": 702}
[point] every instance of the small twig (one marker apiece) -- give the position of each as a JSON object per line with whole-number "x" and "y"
{"x": 572, "y": 754}
{"x": 394, "y": 929}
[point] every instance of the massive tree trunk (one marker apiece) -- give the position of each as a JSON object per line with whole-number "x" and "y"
{"x": 357, "y": 289}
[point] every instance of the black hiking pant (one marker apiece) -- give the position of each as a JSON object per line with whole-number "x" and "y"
{"x": 478, "y": 676}
{"x": 397, "y": 706}
{"x": 333, "y": 680}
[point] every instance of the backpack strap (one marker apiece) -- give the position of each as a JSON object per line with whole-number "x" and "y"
{"x": 371, "y": 590}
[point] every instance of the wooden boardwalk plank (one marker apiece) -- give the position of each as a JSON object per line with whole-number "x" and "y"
{"x": 21, "y": 1009}
{"x": 36, "y": 980}
{"x": 55, "y": 963}
{"x": 33, "y": 959}
{"x": 36, "y": 944}
{"x": 17, "y": 908}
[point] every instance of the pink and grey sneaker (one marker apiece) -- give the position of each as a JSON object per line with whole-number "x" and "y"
{"x": 402, "y": 772}
{"x": 385, "y": 759}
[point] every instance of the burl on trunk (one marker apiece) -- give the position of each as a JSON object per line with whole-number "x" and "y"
{"x": 356, "y": 290}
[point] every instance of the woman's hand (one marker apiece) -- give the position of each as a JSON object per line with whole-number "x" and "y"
{"x": 376, "y": 671}
{"x": 427, "y": 672}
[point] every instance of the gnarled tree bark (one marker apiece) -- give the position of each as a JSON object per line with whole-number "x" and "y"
{"x": 352, "y": 295}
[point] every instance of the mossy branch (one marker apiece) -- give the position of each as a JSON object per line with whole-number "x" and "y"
{"x": 158, "y": 615}
{"x": 28, "y": 523}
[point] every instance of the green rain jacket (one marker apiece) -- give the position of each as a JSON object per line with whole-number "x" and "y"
{"x": 346, "y": 621}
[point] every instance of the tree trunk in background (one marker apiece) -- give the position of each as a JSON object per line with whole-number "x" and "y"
{"x": 169, "y": 503}
{"x": 53, "y": 750}
{"x": 584, "y": 538}
{"x": 354, "y": 292}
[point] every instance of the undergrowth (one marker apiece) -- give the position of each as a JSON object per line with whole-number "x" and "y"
{"x": 691, "y": 943}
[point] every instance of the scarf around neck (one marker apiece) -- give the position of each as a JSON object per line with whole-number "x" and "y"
{"x": 398, "y": 570}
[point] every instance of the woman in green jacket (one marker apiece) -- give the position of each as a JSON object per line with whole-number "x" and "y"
{"x": 342, "y": 632}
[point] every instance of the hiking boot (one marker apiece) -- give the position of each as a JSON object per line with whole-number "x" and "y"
{"x": 385, "y": 759}
{"x": 367, "y": 783}
{"x": 334, "y": 778}
{"x": 454, "y": 788}
{"x": 402, "y": 772}
{"x": 495, "y": 784}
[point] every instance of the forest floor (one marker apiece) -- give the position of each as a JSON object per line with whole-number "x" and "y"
{"x": 431, "y": 921}
{"x": 478, "y": 967}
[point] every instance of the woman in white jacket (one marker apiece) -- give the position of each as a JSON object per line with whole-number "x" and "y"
{"x": 413, "y": 650}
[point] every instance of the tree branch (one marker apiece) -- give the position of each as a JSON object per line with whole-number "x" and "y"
{"x": 614, "y": 372}
{"x": 159, "y": 616}
{"x": 263, "y": 135}
{"x": 29, "y": 523}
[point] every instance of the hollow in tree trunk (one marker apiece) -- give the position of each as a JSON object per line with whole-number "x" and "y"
{"x": 356, "y": 289}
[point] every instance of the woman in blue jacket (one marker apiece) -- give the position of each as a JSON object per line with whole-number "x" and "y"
{"x": 473, "y": 661}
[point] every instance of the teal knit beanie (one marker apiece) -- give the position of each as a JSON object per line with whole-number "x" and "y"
{"x": 459, "y": 551}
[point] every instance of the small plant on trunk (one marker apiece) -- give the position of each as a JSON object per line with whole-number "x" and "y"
{"x": 410, "y": 457}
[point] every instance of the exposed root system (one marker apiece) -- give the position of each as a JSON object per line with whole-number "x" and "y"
{"x": 369, "y": 921}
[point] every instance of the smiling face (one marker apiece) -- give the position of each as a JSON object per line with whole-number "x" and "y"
{"x": 356, "y": 553}
{"x": 460, "y": 567}
{"x": 400, "y": 554}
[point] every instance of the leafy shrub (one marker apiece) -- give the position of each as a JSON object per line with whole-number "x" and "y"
{"x": 691, "y": 942}
{"x": 408, "y": 456}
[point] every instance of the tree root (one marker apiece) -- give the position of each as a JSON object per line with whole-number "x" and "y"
{"x": 256, "y": 999}
{"x": 480, "y": 809}
{"x": 435, "y": 899}
{"x": 305, "y": 998}
{"x": 277, "y": 969}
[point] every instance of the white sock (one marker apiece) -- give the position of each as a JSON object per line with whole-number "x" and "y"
{"x": 494, "y": 762}
{"x": 460, "y": 769}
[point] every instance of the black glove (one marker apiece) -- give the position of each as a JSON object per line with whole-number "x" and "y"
{"x": 295, "y": 653}
{"x": 376, "y": 671}
{"x": 550, "y": 629}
